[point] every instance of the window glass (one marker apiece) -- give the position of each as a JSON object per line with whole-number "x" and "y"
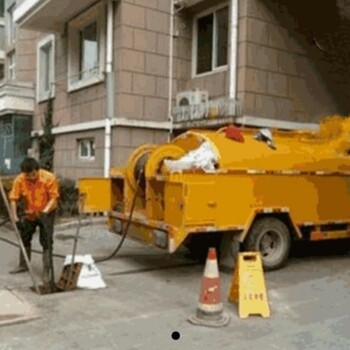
{"x": 45, "y": 65}
{"x": 222, "y": 37}
{"x": 204, "y": 44}
{"x": 212, "y": 40}
{"x": 88, "y": 50}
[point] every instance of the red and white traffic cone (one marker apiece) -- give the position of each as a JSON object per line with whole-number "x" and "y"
{"x": 210, "y": 310}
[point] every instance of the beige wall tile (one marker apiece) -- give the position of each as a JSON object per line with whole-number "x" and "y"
{"x": 157, "y": 21}
{"x": 144, "y": 84}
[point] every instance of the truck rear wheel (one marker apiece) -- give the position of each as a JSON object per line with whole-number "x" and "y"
{"x": 270, "y": 237}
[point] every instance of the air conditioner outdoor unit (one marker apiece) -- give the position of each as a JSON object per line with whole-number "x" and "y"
{"x": 190, "y": 98}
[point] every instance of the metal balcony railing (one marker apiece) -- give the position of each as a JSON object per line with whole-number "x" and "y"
{"x": 209, "y": 112}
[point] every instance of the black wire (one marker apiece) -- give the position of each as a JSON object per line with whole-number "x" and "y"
{"x": 102, "y": 259}
{"x": 96, "y": 259}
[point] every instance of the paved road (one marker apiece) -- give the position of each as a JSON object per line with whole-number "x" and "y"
{"x": 140, "y": 309}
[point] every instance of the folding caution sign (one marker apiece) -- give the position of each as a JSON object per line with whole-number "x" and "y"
{"x": 248, "y": 286}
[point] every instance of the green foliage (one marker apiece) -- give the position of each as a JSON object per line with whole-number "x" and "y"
{"x": 69, "y": 195}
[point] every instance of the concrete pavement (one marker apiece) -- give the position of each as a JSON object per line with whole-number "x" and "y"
{"x": 141, "y": 309}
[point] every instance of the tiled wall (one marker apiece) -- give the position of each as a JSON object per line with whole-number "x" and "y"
{"x": 277, "y": 76}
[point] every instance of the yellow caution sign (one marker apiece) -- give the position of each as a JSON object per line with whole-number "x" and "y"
{"x": 248, "y": 286}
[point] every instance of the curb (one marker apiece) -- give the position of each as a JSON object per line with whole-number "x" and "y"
{"x": 72, "y": 224}
{"x": 84, "y": 222}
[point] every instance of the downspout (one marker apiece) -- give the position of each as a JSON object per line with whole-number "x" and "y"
{"x": 110, "y": 89}
{"x": 171, "y": 63}
{"x": 233, "y": 51}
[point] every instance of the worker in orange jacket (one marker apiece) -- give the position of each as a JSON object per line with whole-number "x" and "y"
{"x": 39, "y": 189}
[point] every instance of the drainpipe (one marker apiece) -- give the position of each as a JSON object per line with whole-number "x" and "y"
{"x": 171, "y": 63}
{"x": 110, "y": 89}
{"x": 233, "y": 50}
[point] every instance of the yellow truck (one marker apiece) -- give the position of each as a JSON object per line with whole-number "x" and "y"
{"x": 233, "y": 184}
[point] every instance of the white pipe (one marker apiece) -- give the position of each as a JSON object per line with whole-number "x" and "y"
{"x": 233, "y": 49}
{"x": 109, "y": 56}
{"x": 171, "y": 63}
{"x": 110, "y": 86}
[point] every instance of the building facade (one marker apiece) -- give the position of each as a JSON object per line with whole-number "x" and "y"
{"x": 119, "y": 74}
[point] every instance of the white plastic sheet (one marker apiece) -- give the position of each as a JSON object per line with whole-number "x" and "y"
{"x": 204, "y": 157}
{"x": 90, "y": 276}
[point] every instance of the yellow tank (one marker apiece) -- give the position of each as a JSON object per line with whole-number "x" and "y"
{"x": 263, "y": 192}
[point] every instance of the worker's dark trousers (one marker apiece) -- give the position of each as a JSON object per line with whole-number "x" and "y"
{"x": 46, "y": 229}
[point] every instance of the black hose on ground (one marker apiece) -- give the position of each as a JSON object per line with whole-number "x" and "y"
{"x": 126, "y": 230}
{"x": 96, "y": 259}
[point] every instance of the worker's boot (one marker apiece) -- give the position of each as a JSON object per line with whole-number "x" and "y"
{"x": 46, "y": 266}
{"x": 22, "y": 266}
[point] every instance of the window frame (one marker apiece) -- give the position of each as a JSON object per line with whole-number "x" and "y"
{"x": 11, "y": 67}
{"x": 42, "y": 95}
{"x": 91, "y": 145}
{"x": 95, "y": 14}
{"x": 10, "y": 24}
{"x": 211, "y": 10}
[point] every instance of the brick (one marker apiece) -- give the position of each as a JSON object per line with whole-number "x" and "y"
{"x": 163, "y": 87}
{"x": 284, "y": 109}
{"x": 122, "y": 137}
{"x": 156, "y": 109}
{"x": 163, "y": 44}
{"x": 262, "y": 57}
{"x": 132, "y": 60}
{"x": 242, "y": 54}
{"x": 130, "y": 106}
{"x": 98, "y": 109}
{"x": 149, "y": 3}
{"x": 182, "y": 69}
{"x": 265, "y": 106}
{"x": 144, "y": 84}
{"x": 120, "y": 156}
{"x": 124, "y": 82}
{"x": 257, "y": 9}
{"x": 145, "y": 41}
{"x": 278, "y": 37}
{"x": 299, "y": 93}
{"x": 26, "y": 62}
{"x": 242, "y": 29}
{"x": 287, "y": 63}
{"x": 157, "y": 21}
{"x": 123, "y": 37}
{"x": 256, "y": 80}
{"x": 134, "y": 16}
{"x": 277, "y": 84}
{"x": 164, "y": 5}
{"x": 247, "y": 104}
{"x": 160, "y": 137}
{"x": 183, "y": 48}
{"x": 257, "y": 31}
{"x": 241, "y": 78}
{"x": 157, "y": 65}
{"x": 141, "y": 137}
{"x": 216, "y": 84}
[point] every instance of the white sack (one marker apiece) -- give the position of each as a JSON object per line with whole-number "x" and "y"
{"x": 204, "y": 157}
{"x": 90, "y": 276}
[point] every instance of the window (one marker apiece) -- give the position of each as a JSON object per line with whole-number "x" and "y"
{"x": 45, "y": 68}
{"x": 86, "y": 50}
{"x": 11, "y": 27}
{"x": 2, "y": 71}
{"x": 11, "y": 65}
{"x": 211, "y": 40}
{"x": 2, "y": 8}
{"x": 86, "y": 149}
{"x": 2, "y": 35}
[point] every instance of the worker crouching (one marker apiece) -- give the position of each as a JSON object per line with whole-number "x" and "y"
{"x": 39, "y": 190}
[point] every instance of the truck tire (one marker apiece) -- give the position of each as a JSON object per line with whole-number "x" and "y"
{"x": 270, "y": 237}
